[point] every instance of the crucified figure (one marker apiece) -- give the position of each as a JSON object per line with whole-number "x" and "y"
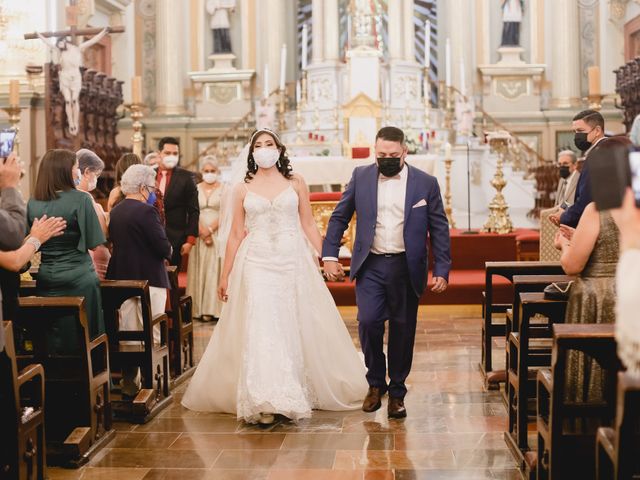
{"x": 69, "y": 59}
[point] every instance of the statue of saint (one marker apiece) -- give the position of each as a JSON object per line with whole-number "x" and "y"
{"x": 68, "y": 57}
{"x": 219, "y": 11}
{"x": 512, "y": 11}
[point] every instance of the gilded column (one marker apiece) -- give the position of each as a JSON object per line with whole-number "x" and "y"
{"x": 317, "y": 31}
{"x": 565, "y": 56}
{"x": 169, "y": 48}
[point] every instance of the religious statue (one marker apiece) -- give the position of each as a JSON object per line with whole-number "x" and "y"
{"x": 512, "y": 11}
{"x": 69, "y": 60}
{"x": 219, "y": 11}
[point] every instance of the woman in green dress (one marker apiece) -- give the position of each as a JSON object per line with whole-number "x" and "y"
{"x": 66, "y": 268}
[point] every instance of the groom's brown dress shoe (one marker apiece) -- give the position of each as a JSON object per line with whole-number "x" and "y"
{"x": 396, "y": 408}
{"x": 373, "y": 400}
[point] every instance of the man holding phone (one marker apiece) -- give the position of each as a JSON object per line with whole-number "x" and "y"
{"x": 588, "y": 127}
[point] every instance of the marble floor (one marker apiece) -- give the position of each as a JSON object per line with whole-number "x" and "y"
{"x": 453, "y": 429}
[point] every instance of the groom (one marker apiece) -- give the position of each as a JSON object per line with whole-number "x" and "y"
{"x": 399, "y": 209}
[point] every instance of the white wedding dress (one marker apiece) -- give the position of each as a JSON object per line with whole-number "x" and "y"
{"x": 280, "y": 345}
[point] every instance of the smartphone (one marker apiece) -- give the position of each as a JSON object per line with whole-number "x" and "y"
{"x": 610, "y": 175}
{"x": 7, "y": 138}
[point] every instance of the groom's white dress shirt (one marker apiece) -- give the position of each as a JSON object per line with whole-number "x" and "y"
{"x": 389, "y": 236}
{"x": 392, "y": 191}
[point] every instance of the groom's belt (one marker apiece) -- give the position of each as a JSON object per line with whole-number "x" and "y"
{"x": 388, "y": 255}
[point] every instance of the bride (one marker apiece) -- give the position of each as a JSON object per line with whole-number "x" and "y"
{"x": 280, "y": 347}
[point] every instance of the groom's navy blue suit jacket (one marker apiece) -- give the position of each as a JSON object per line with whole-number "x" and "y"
{"x": 424, "y": 219}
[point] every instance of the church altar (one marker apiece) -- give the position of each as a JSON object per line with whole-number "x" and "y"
{"x": 332, "y": 170}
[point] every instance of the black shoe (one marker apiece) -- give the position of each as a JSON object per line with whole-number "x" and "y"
{"x": 396, "y": 408}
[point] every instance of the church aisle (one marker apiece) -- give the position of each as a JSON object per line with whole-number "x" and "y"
{"x": 453, "y": 429}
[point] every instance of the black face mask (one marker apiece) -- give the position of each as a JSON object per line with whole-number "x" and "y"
{"x": 389, "y": 167}
{"x": 580, "y": 140}
{"x": 564, "y": 171}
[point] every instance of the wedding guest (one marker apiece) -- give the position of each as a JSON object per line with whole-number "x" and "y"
{"x": 591, "y": 253}
{"x": 204, "y": 260}
{"x": 91, "y": 167}
{"x": 151, "y": 159}
{"x": 66, "y": 269}
{"x": 124, "y": 162}
{"x": 627, "y": 219}
{"x": 140, "y": 248}
{"x": 180, "y": 198}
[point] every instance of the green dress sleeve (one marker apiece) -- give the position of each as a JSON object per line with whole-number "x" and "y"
{"x": 90, "y": 232}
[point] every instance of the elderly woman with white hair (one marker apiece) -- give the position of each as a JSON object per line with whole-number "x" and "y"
{"x": 140, "y": 248}
{"x": 91, "y": 167}
{"x": 203, "y": 271}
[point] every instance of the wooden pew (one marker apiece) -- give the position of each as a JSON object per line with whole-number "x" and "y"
{"x": 563, "y": 453}
{"x": 22, "y": 435}
{"x": 618, "y": 447}
{"x": 78, "y": 408}
{"x": 524, "y": 356}
{"x": 151, "y": 358}
{"x": 180, "y": 331}
{"x": 491, "y": 328}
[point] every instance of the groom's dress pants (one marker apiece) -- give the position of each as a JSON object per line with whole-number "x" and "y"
{"x": 384, "y": 292}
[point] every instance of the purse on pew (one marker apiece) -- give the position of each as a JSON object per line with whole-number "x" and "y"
{"x": 558, "y": 291}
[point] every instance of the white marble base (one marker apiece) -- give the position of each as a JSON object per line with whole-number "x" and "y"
{"x": 222, "y": 62}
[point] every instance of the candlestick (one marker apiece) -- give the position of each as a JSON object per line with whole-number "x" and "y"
{"x": 298, "y": 93}
{"x": 427, "y": 43}
{"x": 136, "y": 89}
{"x": 305, "y": 39}
{"x": 427, "y": 100}
{"x": 14, "y": 93}
{"x": 283, "y": 65}
{"x": 447, "y": 62}
{"x": 593, "y": 73}
{"x": 137, "y": 139}
{"x": 448, "y": 206}
{"x": 463, "y": 86}
{"x": 499, "y": 220}
{"x": 303, "y": 87}
{"x": 281, "y": 110}
{"x": 298, "y": 123}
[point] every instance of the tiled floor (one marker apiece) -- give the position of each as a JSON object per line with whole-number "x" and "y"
{"x": 453, "y": 431}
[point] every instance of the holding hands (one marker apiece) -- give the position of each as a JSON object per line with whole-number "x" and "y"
{"x": 333, "y": 271}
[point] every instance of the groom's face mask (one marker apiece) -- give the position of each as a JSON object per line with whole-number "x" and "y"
{"x": 390, "y": 157}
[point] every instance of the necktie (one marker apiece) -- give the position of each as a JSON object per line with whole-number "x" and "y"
{"x": 163, "y": 181}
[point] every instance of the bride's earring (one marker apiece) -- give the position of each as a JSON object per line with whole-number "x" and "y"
{"x": 279, "y": 164}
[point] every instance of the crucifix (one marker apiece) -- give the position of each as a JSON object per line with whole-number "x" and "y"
{"x": 68, "y": 57}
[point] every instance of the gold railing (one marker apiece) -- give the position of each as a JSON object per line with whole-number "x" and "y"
{"x": 231, "y": 141}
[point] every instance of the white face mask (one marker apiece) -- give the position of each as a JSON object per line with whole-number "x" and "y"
{"x": 170, "y": 161}
{"x": 210, "y": 177}
{"x": 266, "y": 157}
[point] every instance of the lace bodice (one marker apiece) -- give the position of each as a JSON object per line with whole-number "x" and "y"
{"x": 272, "y": 225}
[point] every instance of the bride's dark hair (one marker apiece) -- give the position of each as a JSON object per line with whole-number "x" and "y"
{"x": 283, "y": 165}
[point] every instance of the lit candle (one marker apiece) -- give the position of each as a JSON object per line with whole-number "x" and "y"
{"x": 283, "y": 65}
{"x": 593, "y": 72}
{"x": 305, "y": 39}
{"x": 265, "y": 92}
{"x": 14, "y": 93}
{"x": 427, "y": 43}
{"x": 463, "y": 86}
{"x": 447, "y": 151}
{"x": 298, "y": 94}
{"x": 136, "y": 89}
{"x": 447, "y": 63}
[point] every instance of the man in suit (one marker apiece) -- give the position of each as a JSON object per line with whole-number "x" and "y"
{"x": 399, "y": 208}
{"x": 588, "y": 127}
{"x": 569, "y": 175}
{"x": 180, "y": 195}
{"x": 13, "y": 225}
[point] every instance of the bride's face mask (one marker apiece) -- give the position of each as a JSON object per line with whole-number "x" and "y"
{"x": 265, "y": 151}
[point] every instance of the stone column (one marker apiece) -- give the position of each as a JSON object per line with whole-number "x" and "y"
{"x": 394, "y": 19}
{"x": 317, "y": 30}
{"x": 169, "y": 52}
{"x": 458, "y": 27}
{"x": 330, "y": 34}
{"x": 565, "y": 73}
{"x": 409, "y": 30}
